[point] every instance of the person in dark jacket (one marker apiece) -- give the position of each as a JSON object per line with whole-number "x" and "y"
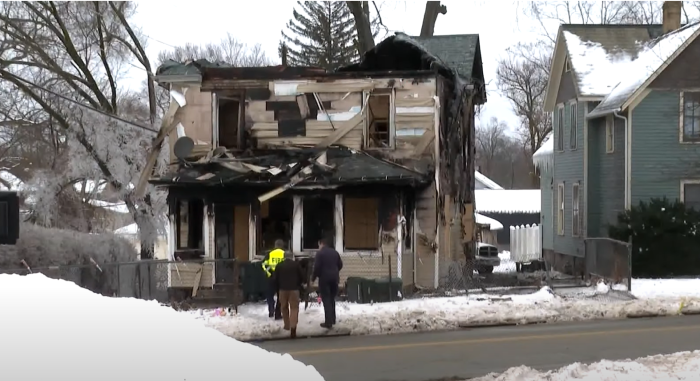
{"x": 327, "y": 266}
{"x": 288, "y": 278}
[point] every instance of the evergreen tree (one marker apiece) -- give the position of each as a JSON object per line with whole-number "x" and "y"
{"x": 321, "y": 34}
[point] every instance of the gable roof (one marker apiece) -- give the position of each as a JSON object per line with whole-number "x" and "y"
{"x": 614, "y": 63}
{"x": 460, "y": 51}
{"x": 593, "y": 51}
{"x": 488, "y": 183}
{"x": 650, "y": 62}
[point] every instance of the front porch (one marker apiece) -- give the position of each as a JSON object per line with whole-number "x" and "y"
{"x": 366, "y": 207}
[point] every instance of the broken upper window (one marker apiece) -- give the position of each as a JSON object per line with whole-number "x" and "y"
{"x": 189, "y": 216}
{"x": 378, "y": 119}
{"x": 229, "y": 121}
{"x": 361, "y": 222}
{"x": 276, "y": 217}
{"x": 318, "y": 221}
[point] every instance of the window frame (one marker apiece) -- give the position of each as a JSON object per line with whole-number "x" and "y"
{"x": 561, "y": 209}
{"x": 685, "y": 182}
{"x": 609, "y": 134}
{"x": 379, "y": 92}
{"x": 682, "y": 118}
{"x": 573, "y": 125}
{"x": 567, "y": 65}
{"x": 560, "y": 118}
{"x": 576, "y": 209}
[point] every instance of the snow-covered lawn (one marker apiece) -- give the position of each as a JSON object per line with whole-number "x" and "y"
{"x": 55, "y": 330}
{"x": 654, "y": 296}
{"x": 677, "y": 366}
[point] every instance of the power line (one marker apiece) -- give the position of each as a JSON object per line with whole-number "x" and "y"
{"x": 83, "y": 105}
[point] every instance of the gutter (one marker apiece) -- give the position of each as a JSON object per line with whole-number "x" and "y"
{"x": 627, "y": 155}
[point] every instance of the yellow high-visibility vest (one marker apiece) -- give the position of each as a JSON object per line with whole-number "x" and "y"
{"x": 276, "y": 256}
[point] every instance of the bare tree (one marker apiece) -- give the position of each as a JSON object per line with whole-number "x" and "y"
{"x": 66, "y": 58}
{"x": 490, "y": 142}
{"x": 228, "y": 50}
{"x": 363, "y": 23}
{"x": 522, "y": 78}
{"x": 591, "y": 12}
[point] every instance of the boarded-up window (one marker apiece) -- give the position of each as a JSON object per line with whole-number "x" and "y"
{"x": 361, "y": 222}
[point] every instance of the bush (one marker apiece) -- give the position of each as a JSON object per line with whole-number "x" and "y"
{"x": 665, "y": 238}
{"x": 42, "y": 247}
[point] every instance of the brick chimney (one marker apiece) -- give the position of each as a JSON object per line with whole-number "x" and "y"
{"x": 671, "y": 15}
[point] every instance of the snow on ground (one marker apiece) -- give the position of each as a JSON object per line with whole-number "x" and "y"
{"x": 427, "y": 314}
{"x": 82, "y": 336}
{"x": 674, "y": 288}
{"x": 676, "y": 366}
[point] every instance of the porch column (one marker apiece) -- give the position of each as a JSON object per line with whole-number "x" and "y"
{"x": 297, "y": 224}
{"x": 252, "y": 231}
{"x": 205, "y": 233}
{"x": 338, "y": 222}
{"x": 400, "y": 220}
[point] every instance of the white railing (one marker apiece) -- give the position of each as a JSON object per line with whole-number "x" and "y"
{"x": 525, "y": 243}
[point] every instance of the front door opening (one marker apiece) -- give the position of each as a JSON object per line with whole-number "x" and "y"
{"x": 276, "y": 215}
{"x": 318, "y": 221}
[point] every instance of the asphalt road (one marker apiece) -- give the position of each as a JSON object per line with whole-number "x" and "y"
{"x": 477, "y": 352}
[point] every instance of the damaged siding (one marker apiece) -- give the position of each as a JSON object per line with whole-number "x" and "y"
{"x": 305, "y": 112}
{"x": 426, "y": 226}
{"x": 195, "y": 117}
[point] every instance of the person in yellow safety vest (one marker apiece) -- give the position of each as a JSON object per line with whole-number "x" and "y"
{"x": 272, "y": 259}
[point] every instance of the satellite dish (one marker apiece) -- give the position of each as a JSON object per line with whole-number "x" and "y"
{"x": 183, "y": 147}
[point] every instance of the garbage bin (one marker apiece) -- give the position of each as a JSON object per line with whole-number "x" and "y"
{"x": 385, "y": 290}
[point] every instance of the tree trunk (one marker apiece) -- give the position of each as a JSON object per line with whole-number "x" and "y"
{"x": 432, "y": 10}
{"x": 360, "y": 12}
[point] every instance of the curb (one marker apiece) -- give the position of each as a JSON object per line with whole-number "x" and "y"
{"x": 639, "y": 315}
{"x": 299, "y": 336}
{"x": 505, "y": 323}
{"x": 690, "y": 312}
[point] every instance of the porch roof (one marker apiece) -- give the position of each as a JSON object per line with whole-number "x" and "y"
{"x": 276, "y": 167}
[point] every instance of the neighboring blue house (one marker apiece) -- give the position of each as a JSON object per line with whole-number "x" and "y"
{"x": 626, "y": 110}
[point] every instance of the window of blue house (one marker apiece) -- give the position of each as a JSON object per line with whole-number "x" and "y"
{"x": 690, "y": 117}
{"x": 573, "y": 138}
{"x": 560, "y": 128}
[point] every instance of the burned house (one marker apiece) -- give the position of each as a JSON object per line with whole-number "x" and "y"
{"x": 373, "y": 156}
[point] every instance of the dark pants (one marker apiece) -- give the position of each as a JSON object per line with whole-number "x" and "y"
{"x": 328, "y": 291}
{"x": 272, "y": 307}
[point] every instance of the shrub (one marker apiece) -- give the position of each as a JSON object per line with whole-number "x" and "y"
{"x": 42, "y": 247}
{"x": 664, "y": 236}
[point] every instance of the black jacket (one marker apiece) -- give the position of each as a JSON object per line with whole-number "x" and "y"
{"x": 327, "y": 265}
{"x": 288, "y": 275}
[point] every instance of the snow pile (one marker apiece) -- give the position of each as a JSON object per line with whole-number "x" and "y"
{"x": 81, "y": 336}
{"x": 666, "y": 288}
{"x": 429, "y": 314}
{"x": 597, "y": 70}
{"x": 507, "y": 200}
{"x": 676, "y": 366}
{"x": 483, "y": 220}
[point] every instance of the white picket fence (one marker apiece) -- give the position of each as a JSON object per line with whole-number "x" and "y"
{"x": 525, "y": 243}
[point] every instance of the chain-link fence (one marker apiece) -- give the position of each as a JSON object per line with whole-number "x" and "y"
{"x": 609, "y": 259}
{"x": 161, "y": 280}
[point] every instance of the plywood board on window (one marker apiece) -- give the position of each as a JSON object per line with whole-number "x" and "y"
{"x": 241, "y": 214}
{"x": 183, "y": 275}
{"x": 361, "y": 223}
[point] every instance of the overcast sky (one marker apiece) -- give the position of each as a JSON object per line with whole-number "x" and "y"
{"x": 499, "y": 25}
